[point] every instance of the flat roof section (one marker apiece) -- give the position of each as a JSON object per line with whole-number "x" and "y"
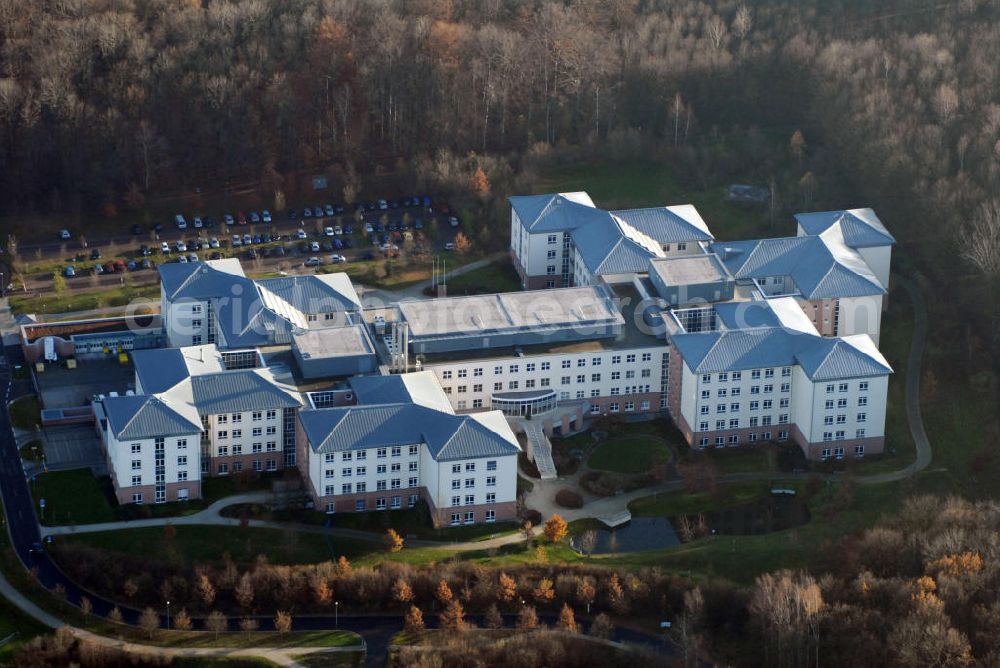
{"x": 484, "y": 314}
{"x": 690, "y": 269}
{"x": 330, "y": 342}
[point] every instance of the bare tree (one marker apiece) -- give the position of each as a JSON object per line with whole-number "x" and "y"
{"x": 216, "y": 622}
{"x": 149, "y": 621}
{"x": 979, "y": 239}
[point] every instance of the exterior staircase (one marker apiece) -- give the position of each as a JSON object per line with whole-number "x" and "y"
{"x": 540, "y": 449}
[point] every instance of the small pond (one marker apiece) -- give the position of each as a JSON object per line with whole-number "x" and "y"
{"x": 642, "y": 533}
{"x": 766, "y": 515}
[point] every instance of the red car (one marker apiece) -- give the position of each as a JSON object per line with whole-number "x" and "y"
{"x": 241, "y": 218}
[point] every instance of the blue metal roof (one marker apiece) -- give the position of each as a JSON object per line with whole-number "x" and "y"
{"x": 448, "y": 437}
{"x": 554, "y": 212}
{"x": 159, "y": 369}
{"x": 821, "y": 267}
{"x": 821, "y": 358}
{"x": 143, "y": 417}
{"x": 237, "y": 391}
{"x": 665, "y": 225}
{"x": 861, "y": 227}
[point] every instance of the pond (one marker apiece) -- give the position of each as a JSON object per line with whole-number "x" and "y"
{"x": 766, "y": 515}
{"x": 640, "y": 534}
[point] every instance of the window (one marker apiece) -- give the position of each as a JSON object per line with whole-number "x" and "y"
{"x": 478, "y": 403}
{"x": 362, "y": 470}
{"x": 397, "y": 451}
{"x": 478, "y": 371}
{"x": 703, "y": 441}
{"x": 395, "y": 483}
{"x": 359, "y": 505}
{"x": 722, "y": 392}
{"x": 395, "y": 501}
{"x": 470, "y": 518}
{"x": 768, "y": 373}
{"x": 498, "y": 370}
{"x": 829, "y": 404}
{"x": 862, "y": 417}
{"x": 257, "y": 431}
{"x": 136, "y": 448}
{"x": 237, "y": 417}
{"x": 720, "y": 441}
{"x": 136, "y": 464}
{"x": 616, "y": 375}
{"x": 825, "y": 455}
{"x": 782, "y": 436}
{"x": 381, "y": 485}
{"x": 412, "y": 482}
{"x": 842, "y": 387}
{"x": 755, "y": 389}
{"x": 863, "y": 386}
{"x": 723, "y": 377}
{"x": 470, "y": 499}
{"x": 380, "y": 503}
{"x": 752, "y": 438}
{"x": 706, "y": 378}
{"x": 470, "y": 466}
{"x": 412, "y": 466}
{"x": 859, "y": 451}
{"x": 754, "y": 405}
{"x": 755, "y": 374}
{"x": 136, "y": 480}
{"x": 362, "y": 455}
{"x": 137, "y": 498}
{"x": 491, "y": 481}
{"x": 705, "y": 394}
{"x": 222, "y": 435}
{"x": 720, "y": 424}
{"x": 329, "y": 490}
{"x": 735, "y": 392}
{"x": 786, "y": 387}
{"x": 222, "y": 419}
{"x": 754, "y": 421}
{"x": 767, "y": 404}
{"x": 328, "y": 473}
{"x": 499, "y": 386}
{"x": 552, "y": 239}
{"x": 734, "y": 408}
{"x": 783, "y": 402}
{"x": 829, "y": 388}
{"x": 862, "y": 401}
{"x": 704, "y": 410}
{"x": 223, "y": 469}
{"x": 257, "y": 416}
{"x": 828, "y": 419}
{"x": 182, "y": 460}
{"x": 470, "y": 482}
{"x": 630, "y": 358}
{"x": 859, "y": 433}
{"x": 272, "y": 430}
{"x": 703, "y": 426}
{"x": 614, "y": 407}
{"x": 347, "y": 473}
{"x": 734, "y": 423}
{"x": 272, "y": 414}
{"x": 841, "y": 403}
{"x": 734, "y": 440}
{"x": 346, "y": 488}
{"x": 456, "y": 519}
{"x": 768, "y": 389}
{"x": 840, "y": 436}
{"x": 841, "y": 419}
{"x": 237, "y": 433}
{"x": 491, "y": 516}
{"x": 720, "y": 408}
{"x": 646, "y": 357}
{"x": 512, "y": 385}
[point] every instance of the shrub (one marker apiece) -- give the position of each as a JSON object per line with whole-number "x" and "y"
{"x": 567, "y": 498}
{"x": 533, "y": 516}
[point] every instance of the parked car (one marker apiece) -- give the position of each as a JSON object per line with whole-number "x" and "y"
{"x": 418, "y": 224}
{"x": 99, "y": 268}
{"x": 241, "y": 218}
{"x": 317, "y": 211}
{"x": 69, "y": 272}
{"x": 338, "y": 230}
{"x": 192, "y": 257}
{"x": 257, "y": 239}
{"x": 449, "y": 246}
{"x": 327, "y": 246}
{"x": 216, "y": 255}
{"x": 213, "y": 243}
{"x": 307, "y": 212}
{"x": 180, "y": 222}
{"x": 228, "y": 218}
{"x": 182, "y": 259}
{"x": 265, "y": 215}
{"x": 198, "y": 223}
{"x": 314, "y": 246}
{"x": 254, "y": 218}
{"x": 247, "y": 240}
{"x": 164, "y": 247}
{"x": 145, "y": 250}
{"x": 64, "y": 235}
{"x": 312, "y": 262}
{"x": 453, "y": 221}
{"x": 348, "y": 229}
{"x": 132, "y": 266}
{"x": 181, "y": 246}
{"x": 337, "y": 259}
{"x": 328, "y": 209}
{"x": 427, "y": 201}
{"x": 328, "y": 231}
{"x": 146, "y": 264}
{"x": 383, "y": 205}
{"x": 369, "y": 228}
{"x": 237, "y": 240}
{"x": 301, "y": 234}
{"x": 95, "y": 254}
{"x": 338, "y": 244}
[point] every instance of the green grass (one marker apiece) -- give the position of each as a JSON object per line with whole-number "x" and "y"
{"x": 72, "y": 497}
{"x": 209, "y": 544}
{"x": 318, "y": 638}
{"x": 689, "y": 503}
{"x": 629, "y": 454}
{"x": 82, "y": 301}
{"x": 739, "y": 460}
{"x": 25, "y": 413}
{"x": 636, "y": 184}
{"x": 330, "y": 659}
{"x": 498, "y": 276}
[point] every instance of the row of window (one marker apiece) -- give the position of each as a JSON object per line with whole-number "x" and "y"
{"x": 530, "y": 367}
{"x": 362, "y": 487}
{"x": 361, "y": 471}
{"x": 839, "y": 435}
{"x": 843, "y": 387}
{"x": 181, "y": 445}
{"x": 182, "y": 460}
{"x": 736, "y": 376}
{"x": 734, "y": 439}
{"x": 223, "y": 434}
{"x": 470, "y": 499}
{"x": 735, "y": 406}
{"x": 470, "y": 517}
{"x": 223, "y": 450}
{"x": 257, "y": 465}
{"x": 615, "y": 407}
{"x": 237, "y": 418}
{"x": 182, "y": 476}
{"x": 754, "y": 389}
{"x": 735, "y": 423}
{"x": 380, "y": 503}
{"x": 456, "y": 483}
{"x": 842, "y": 419}
{"x": 838, "y": 452}
{"x": 842, "y": 403}
{"x": 362, "y": 455}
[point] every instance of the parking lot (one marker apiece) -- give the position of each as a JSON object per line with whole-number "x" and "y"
{"x": 72, "y": 447}
{"x": 65, "y": 388}
{"x": 313, "y": 236}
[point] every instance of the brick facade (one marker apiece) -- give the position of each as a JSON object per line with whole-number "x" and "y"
{"x": 124, "y": 494}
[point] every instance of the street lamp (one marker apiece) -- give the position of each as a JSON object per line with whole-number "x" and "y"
{"x": 168, "y": 615}
{"x": 336, "y": 614}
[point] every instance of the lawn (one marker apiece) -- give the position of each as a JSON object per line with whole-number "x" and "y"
{"x": 636, "y": 453}
{"x": 81, "y": 301}
{"x": 25, "y": 413}
{"x": 72, "y": 497}
{"x": 687, "y": 503}
{"x": 636, "y": 184}
{"x": 498, "y": 276}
